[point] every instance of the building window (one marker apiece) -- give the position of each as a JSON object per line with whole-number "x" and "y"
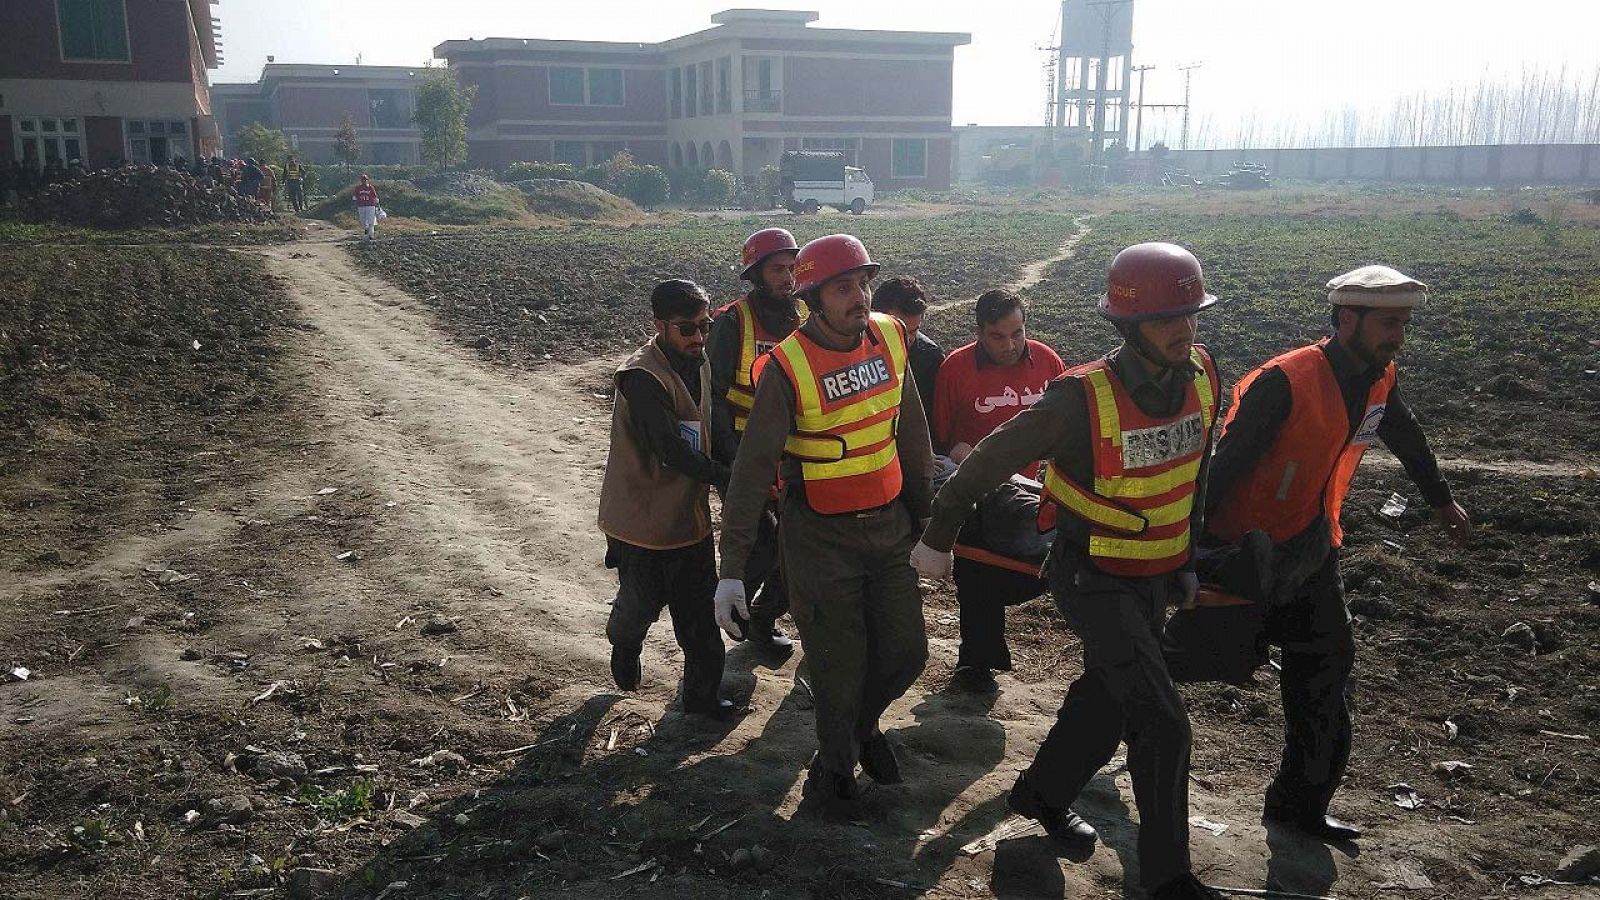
{"x": 689, "y": 91}
{"x": 93, "y": 29}
{"x": 605, "y": 87}
{"x": 390, "y": 107}
{"x": 707, "y": 102}
{"x": 156, "y": 142}
{"x": 41, "y": 140}
{"x": 910, "y": 158}
{"x": 573, "y": 86}
{"x": 566, "y": 86}
{"x": 677, "y": 93}
{"x": 725, "y": 85}
{"x": 573, "y": 153}
{"x": 851, "y": 147}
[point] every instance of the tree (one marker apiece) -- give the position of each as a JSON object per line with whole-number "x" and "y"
{"x": 257, "y": 141}
{"x": 442, "y": 107}
{"x": 346, "y": 144}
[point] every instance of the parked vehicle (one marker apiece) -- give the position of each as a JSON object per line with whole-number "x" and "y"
{"x": 812, "y": 179}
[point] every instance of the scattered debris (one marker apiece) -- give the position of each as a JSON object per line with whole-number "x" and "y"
{"x": 326, "y": 491}
{"x": 1452, "y": 768}
{"x": 1013, "y": 827}
{"x": 1205, "y": 824}
{"x": 645, "y": 866}
{"x": 1406, "y": 876}
{"x": 310, "y": 884}
{"x": 439, "y": 625}
{"x": 1406, "y": 796}
{"x": 280, "y": 764}
{"x": 442, "y": 759}
{"x": 1570, "y": 737}
{"x": 20, "y": 673}
{"x": 348, "y": 556}
{"x": 407, "y": 819}
{"x": 235, "y": 810}
{"x": 169, "y": 577}
{"x": 267, "y": 694}
{"x": 1521, "y": 635}
{"x": 1394, "y": 507}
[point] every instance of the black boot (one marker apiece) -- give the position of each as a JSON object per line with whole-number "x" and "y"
{"x": 834, "y": 793}
{"x": 1060, "y": 823}
{"x": 625, "y": 669}
{"x": 1184, "y": 887}
{"x": 878, "y": 760}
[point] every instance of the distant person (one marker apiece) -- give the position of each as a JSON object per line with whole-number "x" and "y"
{"x": 268, "y": 192}
{"x": 905, "y": 298}
{"x": 654, "y": 499}
{"x": 365, "y": 197}
{"x": 294, "y": 182}
{"x": 250, "y": 179}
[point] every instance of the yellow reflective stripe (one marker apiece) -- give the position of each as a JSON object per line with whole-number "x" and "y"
{"x": 844, "y": 415}
{"x": 1105, "y": 404}
{"x": 831, "y": 447}
{"x": 891, "y": 340}
{"x": 1171, "y": 513}
{"x": 1202, "y": 386}
{"x": 747, "y": 343}
{"x": 1149, "y": 485}
{"x": 740, "y": 400}
{"x": 855, "y": 465}
{"x": 805, "y": 381}
{"x": 740, "y": 423}
{"x": 1089, "y": 507}
{"x": 1135, "y": 548}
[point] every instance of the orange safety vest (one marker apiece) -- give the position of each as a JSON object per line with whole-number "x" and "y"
{"x": 754, "y": 342}
{"x": 1145, "y": 469}
{"x": 1308, "y": 469}
{"x": 846, "y": 410}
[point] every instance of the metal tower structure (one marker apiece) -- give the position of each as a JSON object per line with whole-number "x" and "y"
{"x": 1094, "y": 71}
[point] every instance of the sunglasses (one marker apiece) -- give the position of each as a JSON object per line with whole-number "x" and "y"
{"x": 690, "y": 329}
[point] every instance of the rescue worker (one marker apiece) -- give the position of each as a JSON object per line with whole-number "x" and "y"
{"x": 1288, "y": 449}
{"x": 654, "y": 506}
{"x": 833, "y": 403}
{"x": 906, "y": 299}
{"x": 1127, "y": 438}
{"x": 745, "y": 330}
{"x": 980, "y": 387}
{"x": 294, "y": 182}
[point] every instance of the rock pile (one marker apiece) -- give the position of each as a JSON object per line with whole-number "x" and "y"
{"x": 135, "y": 197}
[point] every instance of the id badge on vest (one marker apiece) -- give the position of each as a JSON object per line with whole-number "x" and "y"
{"x": 1368, "y": 432}
{"x": 693, "y": 435}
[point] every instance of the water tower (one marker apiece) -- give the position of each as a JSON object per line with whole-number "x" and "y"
{"x": 1094, "y": 69}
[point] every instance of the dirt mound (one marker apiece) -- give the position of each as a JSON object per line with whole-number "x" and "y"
{"x": 558, "y": 198}
{"x": 132, "y": 198}
{"x": 452, "y": 206}
{"x": 462, "y": 185}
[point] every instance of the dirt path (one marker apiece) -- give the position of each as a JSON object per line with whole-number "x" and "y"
{"x": 1034, "y": 272}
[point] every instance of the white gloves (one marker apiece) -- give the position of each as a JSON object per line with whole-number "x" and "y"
{"x": 1189, "y": 583}
{"x": 930, "y": 563}
{"x": 732, "y": 611}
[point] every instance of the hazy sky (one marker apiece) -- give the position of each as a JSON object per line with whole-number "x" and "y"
{"x": 1268, "y": 58}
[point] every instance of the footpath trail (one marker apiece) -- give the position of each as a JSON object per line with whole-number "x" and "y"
{"x": 1034, "y": 272}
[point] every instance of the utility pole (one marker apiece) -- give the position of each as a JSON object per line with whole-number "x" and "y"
{"x": 1138, "y": 127}
{"x": 1187, "y": 71}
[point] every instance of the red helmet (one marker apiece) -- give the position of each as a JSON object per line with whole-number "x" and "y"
{"x": 1154, "y": 281}
{"x": 762, "y": 244}
{"x": 829, "y": 257}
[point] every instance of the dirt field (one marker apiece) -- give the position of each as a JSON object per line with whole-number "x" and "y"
{"x": 318, "y": 607}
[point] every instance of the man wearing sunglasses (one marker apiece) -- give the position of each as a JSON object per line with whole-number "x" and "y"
{"x": 665, "y": 456}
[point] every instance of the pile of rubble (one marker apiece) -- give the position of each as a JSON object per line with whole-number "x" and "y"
{"x": 135, "y": 197}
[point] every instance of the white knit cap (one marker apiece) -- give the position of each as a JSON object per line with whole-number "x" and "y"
{"x": 1376, "y": 286}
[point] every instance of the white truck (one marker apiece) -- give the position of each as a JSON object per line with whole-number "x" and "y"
{"x": 812, "y": 179}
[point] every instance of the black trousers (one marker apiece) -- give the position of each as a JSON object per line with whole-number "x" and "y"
{"x": 763, "y": 575}
{"x": 983, "y": 592}
{"x": 1313, "y": 629}
{"x": 683, "y": 581}
{"x": 1124, "y": 693}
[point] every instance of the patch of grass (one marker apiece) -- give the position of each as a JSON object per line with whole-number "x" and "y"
{"x": 152, "y": 700}
{"x": 340, "y": 804}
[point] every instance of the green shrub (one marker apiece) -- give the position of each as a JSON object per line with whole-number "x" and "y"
{"x": 647, "y": 186}
{"x": 523, "y": 171}
{"x": 719, "y": 187}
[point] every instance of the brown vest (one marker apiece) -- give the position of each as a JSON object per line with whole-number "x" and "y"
{"x": 642, "y": 502}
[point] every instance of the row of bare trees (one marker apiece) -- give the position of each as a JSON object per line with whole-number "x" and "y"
{"x": 1539, "y": 107}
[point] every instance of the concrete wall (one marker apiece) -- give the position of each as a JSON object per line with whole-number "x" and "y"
{"x": 1491, "y": 164}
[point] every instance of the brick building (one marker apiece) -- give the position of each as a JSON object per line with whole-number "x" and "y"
{"x": 733, "y": 96}
{"x": 307, "y": 102}
{"x": 105, "y": 80}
